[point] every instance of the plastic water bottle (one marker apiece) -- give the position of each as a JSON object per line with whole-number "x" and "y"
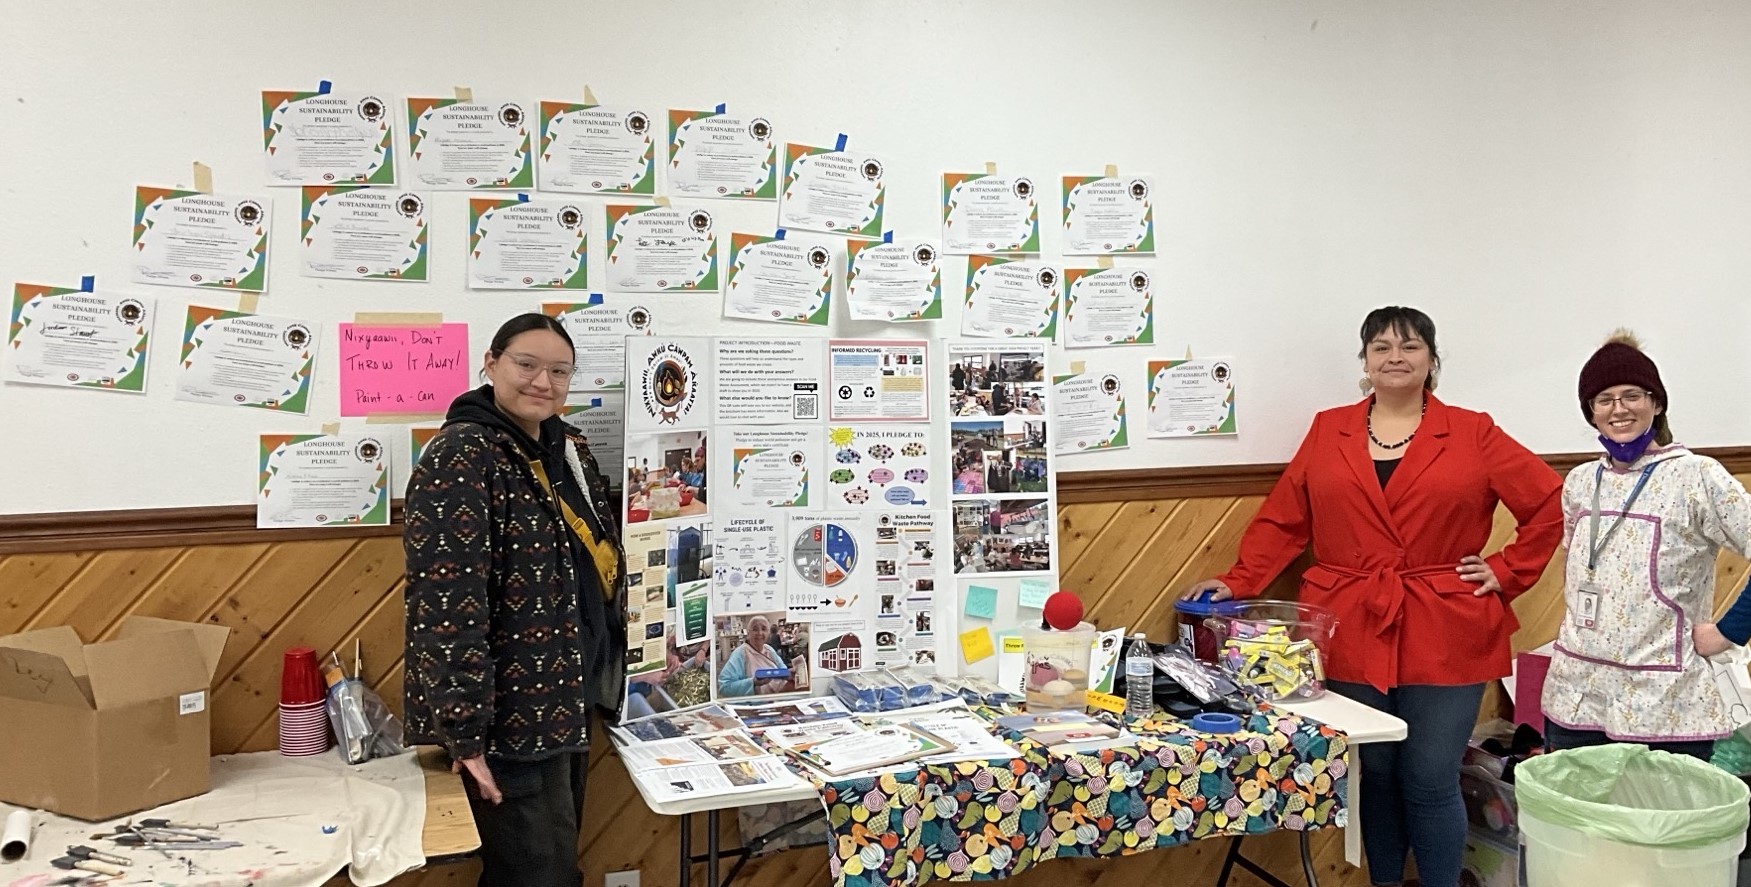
{"x": 1139, "y": 678}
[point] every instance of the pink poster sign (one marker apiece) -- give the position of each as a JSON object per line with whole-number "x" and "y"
{"x": 402, "y": 369}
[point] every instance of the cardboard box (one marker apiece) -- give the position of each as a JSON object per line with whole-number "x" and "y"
{"x": 96, "y": 731}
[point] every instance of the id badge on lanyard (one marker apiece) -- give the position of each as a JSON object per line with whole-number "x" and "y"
{"x": 1587, "y": 601}
{"x": 1586, "y": 609}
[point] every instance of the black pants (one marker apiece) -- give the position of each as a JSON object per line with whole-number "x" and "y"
{"x": 531, "y": 838}
{"x": 1557, "y": 737}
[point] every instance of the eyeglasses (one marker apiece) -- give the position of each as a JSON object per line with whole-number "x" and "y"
{"x": 528, "y": 367}
{"x": 1604, "y": 403}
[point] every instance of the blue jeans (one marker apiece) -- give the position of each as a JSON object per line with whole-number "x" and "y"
{"x": 1410, "y": 789}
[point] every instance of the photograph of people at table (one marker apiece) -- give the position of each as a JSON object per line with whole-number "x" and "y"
{"x": 515, "y": 617}
{"x": 1643, "y": 525}
{"x": 665, "y": 476}
{"x": 761, "y": 654}
{"x": 1397, "y": 493}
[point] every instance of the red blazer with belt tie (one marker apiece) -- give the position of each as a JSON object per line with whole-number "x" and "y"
{"x": 1386, "y": 560}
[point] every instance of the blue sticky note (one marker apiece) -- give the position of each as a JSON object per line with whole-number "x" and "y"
{"x": 981, "y": 602}
{"x": 1034, "y": 593}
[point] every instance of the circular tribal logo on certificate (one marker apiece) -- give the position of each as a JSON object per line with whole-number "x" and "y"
{"x": 409, "y": 205}
{"x": 670, "y": 383}
{"x": 131, "y": 311}
{"x": 371, "y": 108}
{"x": 872, "y": 169}
{"x": 1139, "y": 189}
{"x": 819, "y": 256}
{"x": 1047, "y": 278}
{"x": 1220, "y": 373}
{"x": 1023, "y": 189}
{"x": 700, "y": 221}
{"x": 248, "y": 213}
{"x": 924, "y": 254}
{"x": 511, "y": 116}
{"x": 760, "y": 129}
{"x": 570, "y": 217}
{"x": 639, "y": 318}
{"x": 296, "y": 336}
{"x": 369, "y": 450}
{"x": 637, "y": 123}
{"x": 1109, "y": 384}
{"x": 1139, "y": 281}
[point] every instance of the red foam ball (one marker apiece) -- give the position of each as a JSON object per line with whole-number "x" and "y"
{"x": 1063, "y": 611}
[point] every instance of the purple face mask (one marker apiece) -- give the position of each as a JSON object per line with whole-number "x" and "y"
{"x": 1628, "y": 451}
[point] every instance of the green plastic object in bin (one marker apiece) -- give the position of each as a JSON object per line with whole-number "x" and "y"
{"x": 1634, "y": 795}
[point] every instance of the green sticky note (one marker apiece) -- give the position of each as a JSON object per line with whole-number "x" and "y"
{"x": 1034, "y": 593}
{"x": 981, "y": 602}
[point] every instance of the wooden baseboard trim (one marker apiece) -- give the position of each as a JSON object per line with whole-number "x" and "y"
{"x": 235, "y": 524}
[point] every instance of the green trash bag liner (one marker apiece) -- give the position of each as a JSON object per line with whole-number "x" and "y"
{"x": 1634, "y": 795}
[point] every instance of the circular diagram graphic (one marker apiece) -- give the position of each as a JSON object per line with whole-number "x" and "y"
{"x": 824, "y": 554}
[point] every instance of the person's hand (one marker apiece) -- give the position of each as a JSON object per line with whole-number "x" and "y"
{"x": 1472, "y": 568}
{"x": 1220, "y": 590}
{"x": 1709, "y": 640}
{"x": 476, "y": 767}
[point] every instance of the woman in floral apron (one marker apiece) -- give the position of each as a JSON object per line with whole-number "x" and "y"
{"x": 1643, "y": 526}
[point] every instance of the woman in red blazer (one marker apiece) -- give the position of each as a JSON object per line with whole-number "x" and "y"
{"x": 1398, "y": 493}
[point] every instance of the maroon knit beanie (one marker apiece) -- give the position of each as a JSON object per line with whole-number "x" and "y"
{"x": 1619, "y": 361}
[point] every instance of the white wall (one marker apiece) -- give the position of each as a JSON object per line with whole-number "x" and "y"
{"x": 1533, "y": 174}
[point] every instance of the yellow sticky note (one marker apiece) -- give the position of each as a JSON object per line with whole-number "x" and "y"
{"x": 1013, "y": 644}
{"x": 976, "y": 644}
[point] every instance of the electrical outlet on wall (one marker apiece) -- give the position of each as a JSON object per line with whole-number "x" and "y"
{"x": 620, "y": 879}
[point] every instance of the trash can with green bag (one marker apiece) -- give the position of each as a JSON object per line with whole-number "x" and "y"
{"x": 1628, "y": 816}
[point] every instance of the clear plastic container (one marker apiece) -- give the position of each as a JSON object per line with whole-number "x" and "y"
{"x": 1057, "y": 667}
{"x": 1563, "y": 857}
{"x": 1278, "y": 648}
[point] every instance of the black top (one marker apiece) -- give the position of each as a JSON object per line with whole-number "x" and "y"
{"x": 1383, "y": 469}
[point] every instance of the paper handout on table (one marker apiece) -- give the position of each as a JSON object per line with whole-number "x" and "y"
{"x": 875, "y": 747}
{"x": 700, "y": 721}
{"x": 720, "y": 747}
{"x": 802, "y": 737}
{"x": 796, "y": 711}
{"x": 704, "y": 780}
{"x": 970, "y": 734}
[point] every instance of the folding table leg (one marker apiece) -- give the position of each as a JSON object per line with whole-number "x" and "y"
{"x": 711, "y": 849}
{"x": 686, "y": 850}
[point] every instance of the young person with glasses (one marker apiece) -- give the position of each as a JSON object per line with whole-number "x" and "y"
{"x": 515, "y": 605}
{"x": 1643, "y": 525}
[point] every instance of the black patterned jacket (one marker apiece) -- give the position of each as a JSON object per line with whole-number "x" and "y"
{"x": 504, "y": 653}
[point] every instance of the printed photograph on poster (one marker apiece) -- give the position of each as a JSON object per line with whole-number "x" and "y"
{"x": 1108, "y": 214}
{"x": 997, "y": 382}
{"x": 600, "y": 418}
{"x": 761, "y": 654}
{"x": 768, "y": 381}
{"x": 722, "y": 155}
{"x": 688, "y": 551}
{"x": 598, "y": 329}
{"x": 1002, "y": 535}
{"x": 662, "y": 674}
{"x": 1088, "y": 411}
{"x": 1108, "y": 306}
{"x": 595, "y": 149}
{"x": 1191, "y": 398}
{"x": 770, "y": 467}
{"x": 895, "y": 282}
{"x": 748, "y": 564}
{"x": 878, "y": 380}
{"x": 1007, "y": 298}
{"x": 841, "y": 645}
{"x": 665, "y": 475}
{"x": 829, "y": 573}
{"x": 878, "y": 466}
{"x": 997, "y": 456}
{"x": 672, "y": 378}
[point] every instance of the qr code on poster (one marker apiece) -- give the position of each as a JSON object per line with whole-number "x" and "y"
{"x": 806, "y": 406}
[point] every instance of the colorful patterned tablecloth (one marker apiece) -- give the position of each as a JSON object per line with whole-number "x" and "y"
{"x": 980, "y": 821}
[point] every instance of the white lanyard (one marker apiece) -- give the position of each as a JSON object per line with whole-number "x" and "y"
{"x": 1596, "y": 544}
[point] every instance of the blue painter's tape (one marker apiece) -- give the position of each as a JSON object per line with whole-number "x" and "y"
{"x": 323, "y": 87}
{"x": 720, "y": 107}
{"x": 522, "y": 198}
{"x": 88, "y": 283}
{"x": 778, "y": 234}
{"x": 888, "y": 236}
{"x": 840, "y": 145}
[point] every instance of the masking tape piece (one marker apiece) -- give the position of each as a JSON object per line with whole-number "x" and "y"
{"x": 589, "y": 97}
{"x": 1077, "y": 367}
{"x": 248, "y": 302}
{"x": 398, "y": 318}
{"x": 464, "y": 94}
{"x": 331, "y": 428}
{"x": 1104, "y": 262}
{"x": 990, "y": 168}
{"x": 662, "y": 201}
{"x": 1112, "y": 170}
{"x": 402, "y": 418}
{"x": 203, "y": 178}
